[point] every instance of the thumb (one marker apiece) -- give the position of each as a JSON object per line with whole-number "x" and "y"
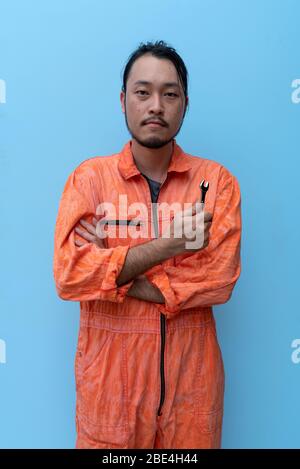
{"x": 193, "y": 209}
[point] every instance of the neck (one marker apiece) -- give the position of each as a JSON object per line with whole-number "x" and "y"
{"x": 153, "y": 162}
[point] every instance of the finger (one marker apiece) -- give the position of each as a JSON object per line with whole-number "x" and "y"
{"x": 85, "y": 235}
{"x": 207, "y": 216}
{"x": 100, "y": 245}
{"x": 79, "y": 243}
{"x": 198, "y": 207}
{"x": 198, "y": 223}
{"x": 91, "y": 229}
{"x": 191, "y": 210}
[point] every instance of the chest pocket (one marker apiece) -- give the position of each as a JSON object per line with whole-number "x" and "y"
{"x": 123, "y": 231}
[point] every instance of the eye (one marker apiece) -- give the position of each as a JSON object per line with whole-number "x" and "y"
{"x": 172, "y": 94}
{"x": 141, "y": 91}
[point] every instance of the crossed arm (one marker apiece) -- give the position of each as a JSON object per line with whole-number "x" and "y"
{"x": 144, "y": 290}
{"x": 141, "y": 288}
{"x": 205, "y": 278}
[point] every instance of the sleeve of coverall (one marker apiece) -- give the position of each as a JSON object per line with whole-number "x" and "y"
{"x": 207, "y": 277}
{"x": 87, "y": 272}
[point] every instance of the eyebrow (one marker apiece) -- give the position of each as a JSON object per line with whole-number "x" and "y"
{"x": 167, "y": 84}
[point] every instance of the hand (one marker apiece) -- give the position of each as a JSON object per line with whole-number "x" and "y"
{"x": 89, "y": 234}
{"x": 142, "y": 289}
{"x": 192, "y": 226}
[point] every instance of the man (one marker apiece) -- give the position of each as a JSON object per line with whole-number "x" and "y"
{"x": 149, "y": 370}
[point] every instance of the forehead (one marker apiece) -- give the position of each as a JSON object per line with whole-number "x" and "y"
{"x": 154, "y": 70}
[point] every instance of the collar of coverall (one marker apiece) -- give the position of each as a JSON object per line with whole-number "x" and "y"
{"x": 179, "y": 161}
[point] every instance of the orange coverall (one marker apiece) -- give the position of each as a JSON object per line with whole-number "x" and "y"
{"x": 148, "y": 375}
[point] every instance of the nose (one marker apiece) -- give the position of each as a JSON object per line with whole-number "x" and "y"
{"x": 156, "y": 105}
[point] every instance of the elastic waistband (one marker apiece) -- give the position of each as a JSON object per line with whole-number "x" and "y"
{"x": 137, "y": 316}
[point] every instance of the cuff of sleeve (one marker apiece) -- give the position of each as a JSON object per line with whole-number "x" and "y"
{"x": 158, "y": 277}
{"x": 109, "y": 288}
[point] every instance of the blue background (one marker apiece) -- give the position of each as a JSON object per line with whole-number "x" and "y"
{"x": 62, "y": 63}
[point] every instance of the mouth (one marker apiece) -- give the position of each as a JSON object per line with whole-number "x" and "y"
{"x": 155, "y": 124}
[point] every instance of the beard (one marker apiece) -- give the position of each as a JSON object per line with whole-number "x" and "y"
{"x": 153, "y": 141}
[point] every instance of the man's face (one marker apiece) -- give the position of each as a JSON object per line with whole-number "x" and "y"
{"x": 153, "y": 93}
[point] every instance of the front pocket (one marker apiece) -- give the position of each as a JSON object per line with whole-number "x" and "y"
{"x": 210, "y": 380}
{"x": 210, "y": 422}
{"x": 102, "y": 402}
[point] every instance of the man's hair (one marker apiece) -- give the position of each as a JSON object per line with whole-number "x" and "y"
{"x": 160, "y": 50}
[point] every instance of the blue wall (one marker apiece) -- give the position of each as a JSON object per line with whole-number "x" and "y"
{"x": 60, "y": 66}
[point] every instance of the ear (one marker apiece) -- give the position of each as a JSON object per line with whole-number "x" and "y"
{"x": 122, "y": 99}
{"x": 186, "y": 105}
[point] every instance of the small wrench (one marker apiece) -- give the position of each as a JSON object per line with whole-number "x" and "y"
{"x": 204, "y": 185}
